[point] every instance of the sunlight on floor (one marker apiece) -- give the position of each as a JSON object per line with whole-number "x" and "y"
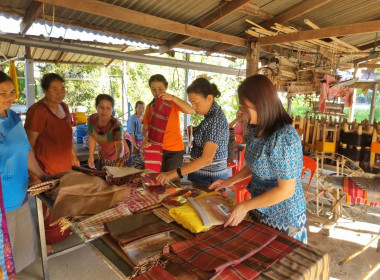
{"x": 315, "y": 229}
{"x": 357, "y": 232}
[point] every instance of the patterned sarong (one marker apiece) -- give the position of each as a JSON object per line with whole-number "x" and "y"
{"x": 7, "y": 266}
{"x": 157, "y": 127}
{"x": 220, "y": 247}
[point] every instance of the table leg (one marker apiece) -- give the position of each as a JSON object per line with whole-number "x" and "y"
{"x": 41, "y": 229}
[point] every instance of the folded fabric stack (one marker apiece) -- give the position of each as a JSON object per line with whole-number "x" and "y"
{"x": 90, "y": 171}
{"x": 241, "y": 252}
{"x": 141, "y": 236}
{"x": 93, "y": 226}
{"x": 138, "y": 199}
{"x": 121, "y": 175}
{"x": 43, "y": 186}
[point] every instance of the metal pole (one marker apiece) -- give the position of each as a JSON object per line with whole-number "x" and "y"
{"x": 373, "y": 104}
{"x": 125, "y": 93}
{"x": 186, "y": 119}
{"x": 29, "y": 83}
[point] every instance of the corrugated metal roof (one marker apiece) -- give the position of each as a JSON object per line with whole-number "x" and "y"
{"x": 333, "y": 13}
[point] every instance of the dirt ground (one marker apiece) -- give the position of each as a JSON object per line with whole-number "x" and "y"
{"x": 343, "y": 239}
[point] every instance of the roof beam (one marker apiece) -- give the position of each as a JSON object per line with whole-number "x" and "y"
{"x": 130, "y": 16}
{"x": 100, "y": 52}
{"x": 33, "y": 11}
{"x": 212, "y": 18}
{"x": 295, "y": 12}
{"x": 369, "y": 46}
{"x": 341, "y": 30}
{"x": 253, "y": 10}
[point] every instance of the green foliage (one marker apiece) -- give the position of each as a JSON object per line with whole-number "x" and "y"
{"x": 299, "y": 106}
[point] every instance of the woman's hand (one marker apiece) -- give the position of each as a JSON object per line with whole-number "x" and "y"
{"x": 166, "y": 96}
{"x": 75, "y": 161}
{"x": 146, "y": 143}
{"x": 91, "y": 162}
{"x": 219, "y": 184}
{"x": 238, "y": 213}
{"x": 164, "y": 177}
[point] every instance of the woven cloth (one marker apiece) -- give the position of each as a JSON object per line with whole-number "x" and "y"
{"x": 157, "y": 273}
{"x": 157, "y": 127}
{"x": 121, "y": 175}
{"x": 94, "y": 226}
{"x": 221, "y": 247}
{"x": 91, "y": 172}
{"x": 304, "y": 263}
{"x": 159, "y": 120}
{"x": 250, "y": 268}
{"x": 153, "y": 157}
{"x": 356, "y": 194}
{"x": 41, "y": 187}
{"x": 139, "y": 199}
{"x": 163, "y": 214}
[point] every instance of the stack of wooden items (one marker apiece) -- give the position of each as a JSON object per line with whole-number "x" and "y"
{"x": 357, "y": 141}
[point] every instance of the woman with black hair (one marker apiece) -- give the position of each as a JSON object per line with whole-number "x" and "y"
{"x": 209, "y": 150}
{"x": 274, "y": 160}
{"x": 163, "y": 144}
{"x": 107, "y": 131}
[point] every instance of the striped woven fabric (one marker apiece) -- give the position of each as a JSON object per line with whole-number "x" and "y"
{"x": 156, "y": 273}
{"x": 157, "y": 127}
{"x": 139, "y": 199}
{"x": 153, "y": 157}
{"x": 159, "y": 120}
{"x": 355, "y": 194}
{"x": 304, "y": 263}
{"x": 221, "y": 247}
{"x": 94, "y": 226}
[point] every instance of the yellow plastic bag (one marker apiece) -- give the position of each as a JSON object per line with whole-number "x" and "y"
{"x": 188, "y": 218}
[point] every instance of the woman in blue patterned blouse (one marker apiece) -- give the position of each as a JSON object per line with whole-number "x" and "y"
{"x": 209, "y": 150}
{"x": 274, "y": 160}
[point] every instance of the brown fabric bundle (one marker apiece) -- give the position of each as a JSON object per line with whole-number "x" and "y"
{"x": 81, "y": 194}
{"x": 135, "y": 226}
{"x": 92, "y": 172}
{"x": 121, "y": 175}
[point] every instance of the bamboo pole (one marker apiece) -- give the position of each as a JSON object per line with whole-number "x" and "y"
{"x": 342, "y": 43}
{"x": 359, "y": 251}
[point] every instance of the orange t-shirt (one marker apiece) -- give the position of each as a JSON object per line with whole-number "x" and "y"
{"x": 172, "y": 136}
{"x": 53, "y": 147}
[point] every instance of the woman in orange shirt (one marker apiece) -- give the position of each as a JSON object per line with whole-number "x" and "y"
{"x": 172, "y": 144}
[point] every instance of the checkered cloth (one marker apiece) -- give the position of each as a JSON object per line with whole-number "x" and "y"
{"x": 94, "y": 226}
{"x": 221, "y": 247}
{"x": 249, "y": 268}
{"x": 157, "y": 273}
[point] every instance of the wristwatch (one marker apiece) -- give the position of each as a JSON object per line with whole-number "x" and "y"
{"x": 179, "y": 173}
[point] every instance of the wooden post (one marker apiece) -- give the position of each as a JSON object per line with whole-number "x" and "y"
{"x": 253, "y": 56}
{"x": 373, "y": 104}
